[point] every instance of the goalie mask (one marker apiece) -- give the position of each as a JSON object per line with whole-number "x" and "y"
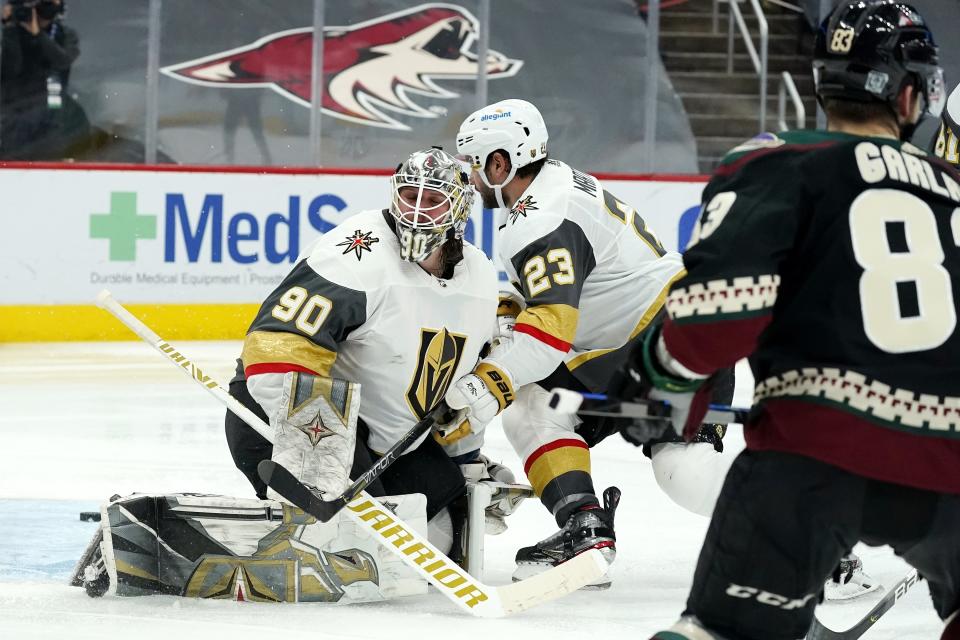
{"x": 432, "y": 200}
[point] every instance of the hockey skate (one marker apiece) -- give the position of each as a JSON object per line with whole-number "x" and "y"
{"x": 849, "y": 581}
{"x": 590, "y": 528}
{"x": 485, "y": 470}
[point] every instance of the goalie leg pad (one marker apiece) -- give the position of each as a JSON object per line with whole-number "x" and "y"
{"x": 316, "y": 431}
{"x": 240, "y": 549}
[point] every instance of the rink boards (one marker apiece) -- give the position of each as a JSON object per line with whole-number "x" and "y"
{"x": 192, "y": 250}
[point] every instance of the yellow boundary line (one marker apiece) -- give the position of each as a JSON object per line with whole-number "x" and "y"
{"x": 58, "y": 323}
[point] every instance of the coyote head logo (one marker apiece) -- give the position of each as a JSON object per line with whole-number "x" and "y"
{"x": 368, "y": 68}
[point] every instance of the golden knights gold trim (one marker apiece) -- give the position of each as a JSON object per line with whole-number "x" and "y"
{"x": 262, "y": 347}
{"x": 305, "y": 388}
{"x": 552, "y": 464}
{"x": 559, "y": 320}
{"x": 437, "y": 359}
{"x": 283, "y": 569}
{"x": 497, "y": 382}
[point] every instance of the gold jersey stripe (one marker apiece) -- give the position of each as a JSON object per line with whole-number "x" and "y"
{"x": 558, "y": 320}
{"x": 553, "y": 463}
{"x": 648, "y": 315}
{"x": 264, "y": 347}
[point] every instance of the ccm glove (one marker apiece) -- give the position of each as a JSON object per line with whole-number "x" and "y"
{"x": 483, "y": 394}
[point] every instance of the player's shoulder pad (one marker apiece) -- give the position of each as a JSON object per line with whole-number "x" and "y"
{"x": 356, "y": 252}
{"x": 775, "y": 145}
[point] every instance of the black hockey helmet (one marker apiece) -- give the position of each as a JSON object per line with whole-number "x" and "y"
{"x": 866, "y": 50}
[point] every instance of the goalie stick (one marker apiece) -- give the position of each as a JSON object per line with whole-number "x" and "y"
{"x": 391, "y": 532}
{"x": 820, "y": 632}
{"x": 598, "y": 404}
{"x": 322, "y": 509}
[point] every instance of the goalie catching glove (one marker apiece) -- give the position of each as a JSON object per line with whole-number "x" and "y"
{"x": 483, "y": 394}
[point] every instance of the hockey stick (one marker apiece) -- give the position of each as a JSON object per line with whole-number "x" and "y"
{"x": 278, "y": 478}
{"x": 819, "y": 632}
{"x": 410, "y": 546}
{"x": 598, "y": 404}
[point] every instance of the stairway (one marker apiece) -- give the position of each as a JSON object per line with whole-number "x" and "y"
{"x": 724, "y": 108}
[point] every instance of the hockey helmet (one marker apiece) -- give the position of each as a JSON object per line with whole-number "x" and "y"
{"x": 866, "y": 50}
{"x": 432, "y": 200}
{"x": 515, "y": 126}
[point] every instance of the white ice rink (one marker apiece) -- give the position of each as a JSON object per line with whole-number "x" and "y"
{"x": 81, "y": 422}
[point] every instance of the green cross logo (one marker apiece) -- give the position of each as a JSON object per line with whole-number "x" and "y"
{"x": 123, "y": 226}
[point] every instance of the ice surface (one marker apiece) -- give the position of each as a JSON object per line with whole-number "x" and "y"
{"x": 81, "y": 422}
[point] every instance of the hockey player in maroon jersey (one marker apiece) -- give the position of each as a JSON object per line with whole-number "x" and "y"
{"x": 831, "y": 259}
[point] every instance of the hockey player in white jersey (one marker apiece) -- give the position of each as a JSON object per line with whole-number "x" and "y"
{"x": 946, "y": 142}
{"x": 393, "y": 301}
{"x": 588, "y": 277}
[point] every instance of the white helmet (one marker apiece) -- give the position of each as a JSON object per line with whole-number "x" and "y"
{"x": 515, "y": 126}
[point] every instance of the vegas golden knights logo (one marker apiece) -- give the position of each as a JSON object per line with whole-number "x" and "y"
{"x": 437, "y": 361}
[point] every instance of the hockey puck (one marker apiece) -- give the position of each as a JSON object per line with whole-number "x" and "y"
{"x": 89, "y": 516}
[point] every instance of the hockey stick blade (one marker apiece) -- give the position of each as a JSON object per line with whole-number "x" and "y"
{"x": 598, "y": 404}
{"x": 820, "y": 632}
{"x": 479, "y": 599}
{"x": 322, "y": 509}
{"x": 283, "y": 482}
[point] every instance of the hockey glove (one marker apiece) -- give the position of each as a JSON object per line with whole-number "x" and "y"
{"x": 484, "y": 393}
{"x": 507, "y": 312}
{"x": 685, "y": 402}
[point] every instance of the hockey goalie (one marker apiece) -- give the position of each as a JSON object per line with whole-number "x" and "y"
{"x": 399, "y": 309}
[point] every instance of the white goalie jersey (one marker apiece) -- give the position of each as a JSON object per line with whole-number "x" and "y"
{"x": 353, "y": 310}
{"x": 588, "y": 273}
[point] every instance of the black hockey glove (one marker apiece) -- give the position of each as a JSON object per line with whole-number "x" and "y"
{"x": 684, "y": 402}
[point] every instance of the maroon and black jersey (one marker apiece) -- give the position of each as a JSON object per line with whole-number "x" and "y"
{"x": 833, "y": 262}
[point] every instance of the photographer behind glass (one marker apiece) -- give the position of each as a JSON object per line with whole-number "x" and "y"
{"x": 35, "y": 60}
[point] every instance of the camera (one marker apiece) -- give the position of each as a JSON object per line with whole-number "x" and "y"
{"x": 46, "y": 9}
